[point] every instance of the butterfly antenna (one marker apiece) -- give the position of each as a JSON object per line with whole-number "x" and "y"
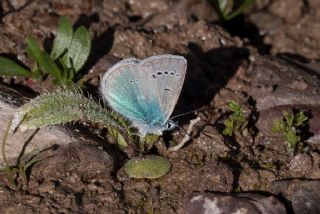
{"x": 180, "y": 115}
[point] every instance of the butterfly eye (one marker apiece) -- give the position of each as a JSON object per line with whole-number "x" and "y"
{"x": 171, "y": 125}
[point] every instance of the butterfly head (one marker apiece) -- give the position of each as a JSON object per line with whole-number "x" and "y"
{"x": 170, "y": 125}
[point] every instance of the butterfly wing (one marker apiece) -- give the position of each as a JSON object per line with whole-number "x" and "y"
{"x": 167, "y": 73}
{"x": 131, "y": 92}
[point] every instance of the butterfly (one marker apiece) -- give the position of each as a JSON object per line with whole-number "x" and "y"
{"x": 145, "y": 91}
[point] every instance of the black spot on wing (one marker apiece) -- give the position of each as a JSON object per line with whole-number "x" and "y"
{"x": 160, "y": 73}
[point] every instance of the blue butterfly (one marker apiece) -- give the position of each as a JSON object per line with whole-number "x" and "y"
{"x": 145, "y": 91}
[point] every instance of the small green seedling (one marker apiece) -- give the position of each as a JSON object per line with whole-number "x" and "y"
{"x": 69, "y": 53}
{"x": 18, "y": 171}
{"x": 236, "y": 120}
{"x": 228, "y": 9}
{"x": 288, "y": 127}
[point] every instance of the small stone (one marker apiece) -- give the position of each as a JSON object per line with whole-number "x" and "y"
{"x": 48, "y": 187}
{"x": 249, "y": 180}
{"x": 75, "y": 159}
{"x": 300, "y": 165}
{"x": 211, "y": 140}
{"x": 315, "y": 171}
{"x": 243, "y": 203}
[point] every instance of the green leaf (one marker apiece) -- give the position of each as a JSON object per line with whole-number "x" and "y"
{"x": 43, "y": 59}
{"x": 241, "y": 9}
{"x": 278, "y": 126}
{"x": 227, "y": 131}
{"x": 79, "y": 49}
{"x": 289, "y": 118}
{"x": 34, "y": 50}
{"x": 150, "y": 166}
{"x": 234, "y": 106}
{"x": 118, "y": 137}
{"x": 63, "y": 38}
{"x": 229, "y": 123}
{"x": 292, "y": 138}
{"x": 222, "y": 4}
{"x": 10, "y": 68}
{"x": 300, "y": 118}
{"x": 225, "y": 10}
{"x": 50, "y": 66}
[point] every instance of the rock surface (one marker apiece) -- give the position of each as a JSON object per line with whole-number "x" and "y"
{"x": 243, "y": 203}
{"x": 303, "y": 194}
{"x": 295, "y": 32}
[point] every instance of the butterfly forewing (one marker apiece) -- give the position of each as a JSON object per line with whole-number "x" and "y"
{"x": 127, "y": 90}
{"x": 167, "y": 73}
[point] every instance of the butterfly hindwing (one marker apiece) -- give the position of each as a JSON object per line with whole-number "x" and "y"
{"x": 167, "y": 73}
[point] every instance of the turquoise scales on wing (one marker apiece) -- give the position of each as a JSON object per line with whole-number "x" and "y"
{"x": 126, "y": 100}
